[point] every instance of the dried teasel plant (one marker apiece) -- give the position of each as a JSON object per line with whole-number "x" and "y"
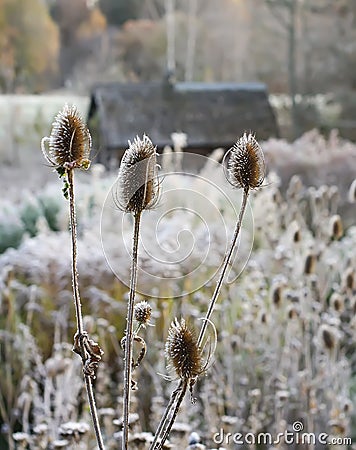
{"x": 69, "y": 146}
{"x": 186, "y": 360}
{"x": 137, "y": 189}
{"x": 245, "y": 170}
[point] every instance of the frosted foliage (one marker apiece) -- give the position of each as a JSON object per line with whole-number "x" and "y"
{"x": 285, "y": 328}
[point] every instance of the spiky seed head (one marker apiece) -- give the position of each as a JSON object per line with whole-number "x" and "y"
{"x": 310, "y": 264}
{"x": 142, "y": 312}
{"x": 336, "y": 227}
{"x": 348, "y": 278}
{"x": 70, "y": 141}
{"x": 352, "y": 192}
{"x": 292, "y": 312}
{"x": 182, "y": 351}
{"x": 329, "y": 336}
{"x": 277, "y": 295}
{"x": 246, "y": 164}
{"x": 137, "y": 185}
{"x": 337, "y": 302}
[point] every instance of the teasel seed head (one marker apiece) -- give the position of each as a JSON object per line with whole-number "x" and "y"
{"x": 336, "y": 227}
{"x": 352, "y": 192}
{"x": 348, "y": 278}
{"x": 292, "y": 312}
{"x": 329, "y": 337}
{"x": 137, "y": 185}
{"x": 246, "y": 164}
{"x": 183, "y": 352}
{"x": 310, "y": 264}
{"x": 142, "y": 313}
{"x": 277, "y": 295}
{"x": 337, "y": 302}
{"x": 69, "y": 144}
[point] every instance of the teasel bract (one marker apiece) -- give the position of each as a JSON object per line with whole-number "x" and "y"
{"x": 137, "y": 189}
{"x": 69, "y": 146}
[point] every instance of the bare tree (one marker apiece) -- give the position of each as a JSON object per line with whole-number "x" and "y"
{"x": 191, "y": 41}
{"x": 286, "y": 11}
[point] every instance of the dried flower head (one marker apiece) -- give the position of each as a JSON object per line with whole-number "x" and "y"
{"x": 328, "y": 336}
{"x": 337, "y": 302}
{"x": 310, "y": 264}
{"x": 246, "y": 164}
{"x": 137, "y": 185}
{"x": 352, "y": 192}
{"x": 182, "y": 351}
{"x": 348, "y": 278}
{"x": 142, "y": 313}
{"x": 70, "y": 141}
{"x": 277, "y": 293}
{"x": 336, "y": 227}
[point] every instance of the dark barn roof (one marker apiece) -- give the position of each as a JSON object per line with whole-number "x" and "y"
{"x": 211, "y": 114}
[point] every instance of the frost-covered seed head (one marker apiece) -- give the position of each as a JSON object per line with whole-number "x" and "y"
{"x": 246, "y": 165}
{"x": 142, "y": 312}
{"x": 70, "y": 140}
{"x": 352, "y": 192}
{"x": 336, "y": 227}
{"x": 182, "y": 351}
{"x": 310, "y": 264}
{"x": 328, "y": 336}
{"x": 337, "y": 302}
{"x": 137, "y": 185}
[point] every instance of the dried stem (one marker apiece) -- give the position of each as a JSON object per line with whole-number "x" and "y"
{"x": 78, "y": 309}
{"x": 169, "y": 415}
{"x": 129, "y": 332}
{"x": 225, "y": 264}
{"x": 177, "y": 396}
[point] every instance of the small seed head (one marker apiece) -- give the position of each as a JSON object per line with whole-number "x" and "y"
{"x": 182, "y": 351}
{"x": 138, "y": 186}
{"x": 352, "y": 192}
{"x": 329, "y": 337}
{"x": 277, "y": 295}
{"x": 246, "y": 164}
{"x": 70, "y": 141}
{"x": 337, "y": 302}
{"x": 310, "y": 264}
{"x": 336, "y": 227}
{"x": 142, "y": 312}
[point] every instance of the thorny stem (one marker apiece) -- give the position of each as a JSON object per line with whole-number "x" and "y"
{"x": 129, "y": 333}
{"x": 78, "y": 309}
{"x": 225, "y": 265}
{"x": 169, "y": 416}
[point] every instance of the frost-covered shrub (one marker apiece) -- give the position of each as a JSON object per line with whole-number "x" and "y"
{"x": 51, "y": 207}
{"x": 11, "y": 227}
{"x": 30, "y": 212}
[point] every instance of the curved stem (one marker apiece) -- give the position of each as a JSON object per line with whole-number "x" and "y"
{"x": 225, "y": 264}
{"x": 129, "y": 332}
{"x": 78, "y": 308}
{"x": 169, "y": 416}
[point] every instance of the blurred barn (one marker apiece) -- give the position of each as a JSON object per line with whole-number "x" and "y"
{"x": 211, "y": 114}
